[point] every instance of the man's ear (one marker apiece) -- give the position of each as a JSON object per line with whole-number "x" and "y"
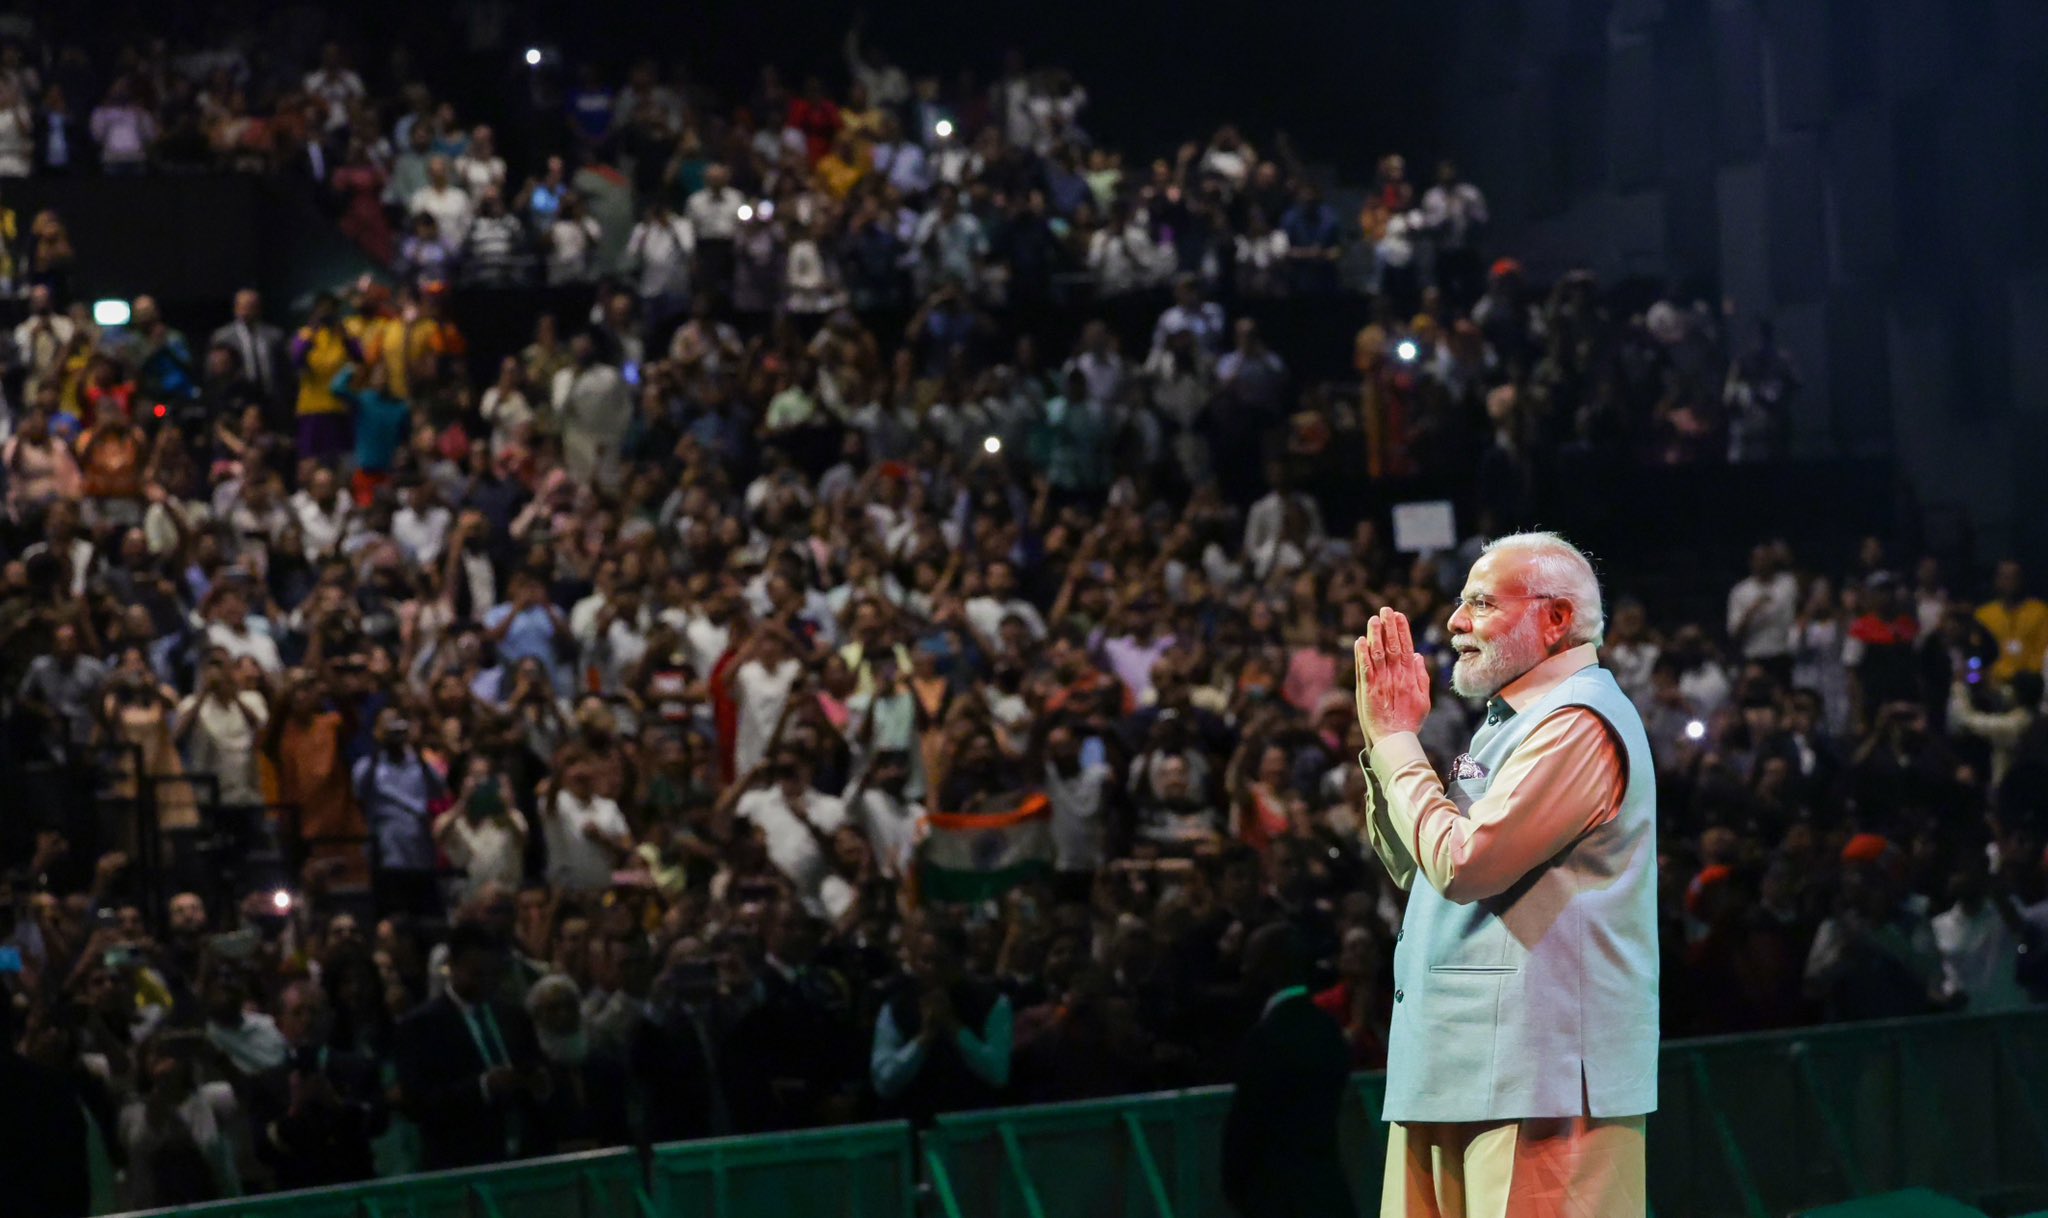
{"x": 1557, "y": 623}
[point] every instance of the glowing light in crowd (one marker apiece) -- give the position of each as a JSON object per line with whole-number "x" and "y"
{"x": 110, "y": 312}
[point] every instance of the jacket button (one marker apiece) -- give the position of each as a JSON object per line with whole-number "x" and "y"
{"x": 1398, "y": 995}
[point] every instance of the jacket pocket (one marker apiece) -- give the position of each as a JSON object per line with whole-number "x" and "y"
{"x": 1481, "y": 969}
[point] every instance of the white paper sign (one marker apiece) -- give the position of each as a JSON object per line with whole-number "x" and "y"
{"x": 1424, "y": 526}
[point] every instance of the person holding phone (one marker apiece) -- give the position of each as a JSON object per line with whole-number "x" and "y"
{"x": 481, "y": 832}
{"x": 587, "y": 835}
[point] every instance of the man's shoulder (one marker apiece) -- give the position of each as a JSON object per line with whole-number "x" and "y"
{"x": 422, "y": 1019}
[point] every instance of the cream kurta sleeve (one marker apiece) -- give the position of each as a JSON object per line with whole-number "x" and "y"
{"x": 1565, "y": 779}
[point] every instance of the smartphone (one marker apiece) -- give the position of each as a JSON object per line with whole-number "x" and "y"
{"x": 487, "y": 799}
{"x": 10, "y": 959}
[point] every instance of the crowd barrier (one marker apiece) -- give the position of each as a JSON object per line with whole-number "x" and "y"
{"x": 859, "y": 1171}
{"x": 1747, "y": 1127}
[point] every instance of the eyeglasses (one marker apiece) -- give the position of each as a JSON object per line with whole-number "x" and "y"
{"x": 1488, "y": 604}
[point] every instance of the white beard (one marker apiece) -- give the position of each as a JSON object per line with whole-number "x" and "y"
{"x": 570, "y": 1050}
{"x": 1496, "y": 664}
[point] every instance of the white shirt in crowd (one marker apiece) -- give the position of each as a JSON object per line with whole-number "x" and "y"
{"x": 575, "y": 863}
{"x": 488, "y": 850}
{"x": 795, "y": 850}
{"x": 422, "y": 533}
{"x": 986, "y": 614}
{"x": 760, "y": 692}
{"x": 570, "y": 245}
{"x": 714, "y": 215}
{"x": 208, "y": 1119}
{"x": 223, "y": 743}
{"x": 321, "y": 527}
{"x": 1128, "y": 259}
{"x": 659, "y": 252}
{"x": 450, "y": 208}
{"x": 1263, "y": 523}
{"x": 1979, "y": 954}
{"x": 248, "y": 642}
{"x": 1453, "y": 213}
{"x": 475, "y": 172}
{"x": 506, "y": 412}
{"x": 1771, "y": 609}
{"x": 1079, "y": 829}
{"x": 338, "y": 88}
{"x": 253, "y": 1045}
{"x": 890, "y": 825}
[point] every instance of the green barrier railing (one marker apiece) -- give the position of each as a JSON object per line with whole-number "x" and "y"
{"x": 857, "y": 1171}
{"x": 1747, "y": 1127}
{"x": 860, "y": 1171}
{"x": 1757, "y": 1125}
{"x": 1149, "y": 1156}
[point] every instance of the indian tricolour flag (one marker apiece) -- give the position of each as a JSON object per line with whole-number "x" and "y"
{"x": 976, "y": 856}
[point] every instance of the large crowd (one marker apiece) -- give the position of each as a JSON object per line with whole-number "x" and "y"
{"x": 600, "y": 718}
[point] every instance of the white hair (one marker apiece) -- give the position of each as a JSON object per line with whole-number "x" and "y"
{"x": 549, "y": 986}
{"x": 1559, "y": 570}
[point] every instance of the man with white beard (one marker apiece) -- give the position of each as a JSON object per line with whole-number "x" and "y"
{"x": 587, "y": 1106}
{"x": 1522, "y": 1057}
{"x": 556, "y": 1006}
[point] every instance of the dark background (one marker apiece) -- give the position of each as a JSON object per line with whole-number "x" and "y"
{"x": 1863, "y": 173}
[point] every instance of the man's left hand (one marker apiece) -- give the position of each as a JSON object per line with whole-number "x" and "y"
{"x": 1393, "y": 679}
